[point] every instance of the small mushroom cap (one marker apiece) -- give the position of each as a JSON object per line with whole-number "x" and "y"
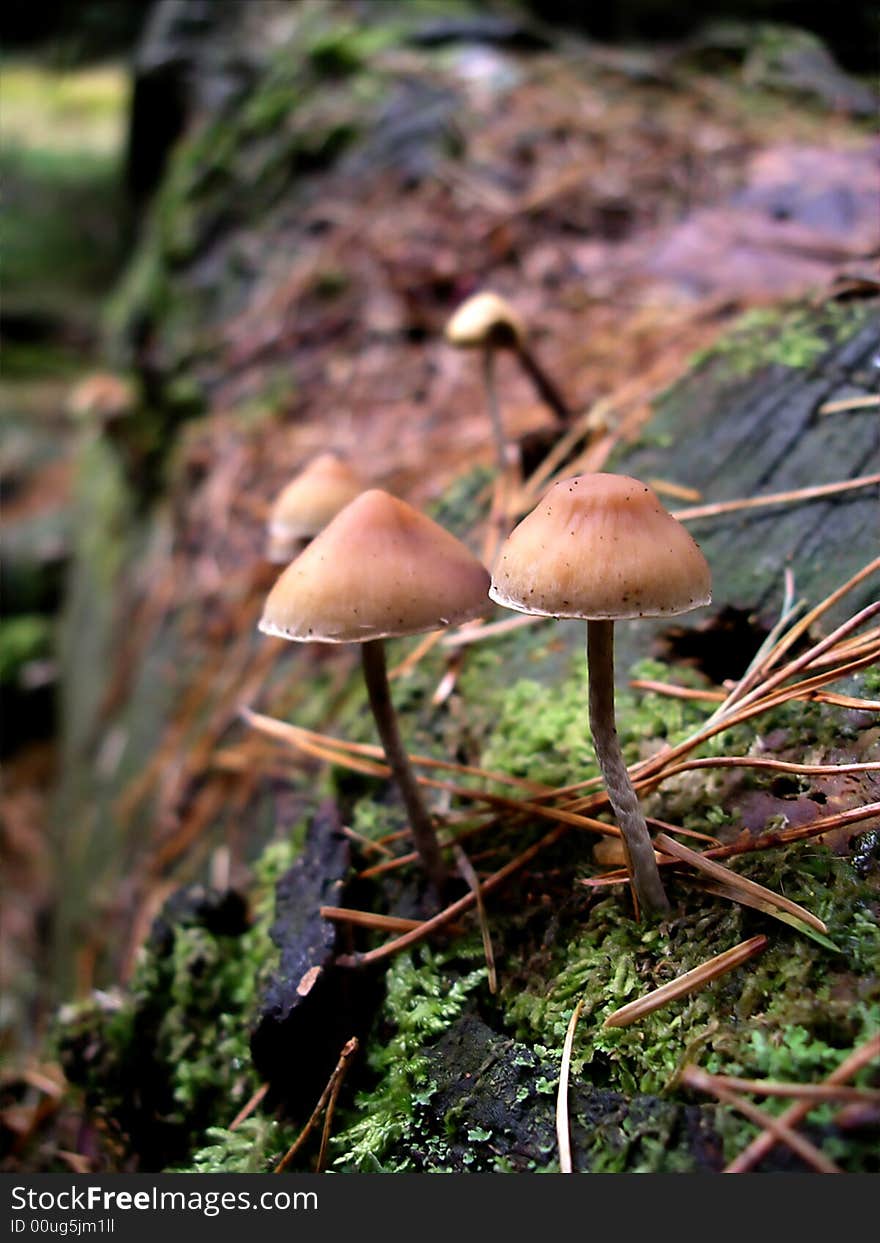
{"x": 600, "y": 546}
{"x": 380, "y": 569}
{"x": 485, "y": 320}
{"x": 309, "y": 501}
{"x": 102, "y": 396}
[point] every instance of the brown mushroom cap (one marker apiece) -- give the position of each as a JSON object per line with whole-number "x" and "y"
{"x": 485, "y": 320}
{"x": 600, "y": 546}
{"x": 380, "y": 569}
{"x": 313, "y": 498}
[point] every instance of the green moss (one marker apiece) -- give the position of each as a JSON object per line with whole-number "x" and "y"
{"x": 173, "y": 1057}
{"x": 464, "y": 505}
{"x": 253, "y": 1148}
{"x": 425, "y": 994}
{"x": 793, "y": 337}
{"x": 871, "y": 681}
{"x": 22, "y": 640}
{"x": 542, "y": 733}
{"x": 346, "y": 48}
{"x": 792, "y": 1014}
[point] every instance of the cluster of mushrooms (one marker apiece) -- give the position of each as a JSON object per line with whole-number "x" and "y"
{"x": 365, "y": 566}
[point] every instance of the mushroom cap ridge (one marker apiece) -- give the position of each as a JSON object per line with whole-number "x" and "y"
{"x": 379, "y": 570}
{"x": 601, "y": 547}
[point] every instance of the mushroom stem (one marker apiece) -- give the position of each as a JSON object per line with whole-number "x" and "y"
{"x": 494, "y": 407}
{"x": 507, "y": 454}
{"x": 641, "y": 861}
{"x": 544, "y": 386}
{"x": 421, "y": 826}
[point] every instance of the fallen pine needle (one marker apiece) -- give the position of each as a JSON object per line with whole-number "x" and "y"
{"x": 746, "y": 844}
{"x": 782, "y": 766}
{"x": 336, "y": 1079}
{"x": 475, "y": 634}
{"x": 447, "y": 683}
{"x": 666, "y": 827}
{"x": 735, "y": 883}
{"x": 247, "y": 1109}
{"x": 563, "y": 1129}
{"x": 330, "y": 1093}
{"x": 677, "y": 692}
{"x": 775, "y": 498}
{"x": 745, "y": 897}
{"x": 410, "y": 661}
{"x": 766, "y": 653}
{"x": 698, "y": 1079}
{"x": 795, "y": 666}
{"x": 366, "y": 843}
{"x": 849, "y": 403}
{"x": 368, "y": 919}
{"x": 472, "y": 881}
{"x": 798, "y": 833}
{"x": 665, "y": 487}
{"x": 649, "y": 773}
{"x": 452, "y": 912}
{"x": 762, "y": 1144}
{"x": 848, "y": 701}
{"x": 388, "y": 865}
{"x": 815, "y": 1093}
{"x": 296, "y": 735}
{"x": 299, "y": 738}
{"x": 690, "y": 982}
{"x": 794, "y": 632}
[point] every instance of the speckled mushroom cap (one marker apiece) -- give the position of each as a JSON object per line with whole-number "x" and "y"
{"x": 600, "y": 546}
{"x": 485, "y": 320}
{"x": 309, "y": 501}
{"x": 380, "y": 569}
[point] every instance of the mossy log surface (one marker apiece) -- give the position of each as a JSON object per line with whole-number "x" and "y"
{"x": 750, "y": 422}
{"x": 159, "y": 787}
{"x": 451, "y": 1077}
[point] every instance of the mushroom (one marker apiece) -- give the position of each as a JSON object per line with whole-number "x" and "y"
{"x": 602, "y": 547}
{"x": 103, "y": 397}
{"x": 486, "y": 322}
{"x": 380, "y": 570}
{"x": 308, "y": 503}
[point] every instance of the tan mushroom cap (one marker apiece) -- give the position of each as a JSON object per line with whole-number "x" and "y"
{"x": 601, "y": 546}
{"x": 102, "y": 396}
{"x": 485, "y": 319}
{"x": 313, "y": 498}
{"x": 380, "y": 569}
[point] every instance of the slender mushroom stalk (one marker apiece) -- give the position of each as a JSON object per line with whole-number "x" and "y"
{"x": 501, "y": 446}
{"x": 486, "y": 321}
{"x": 640, "y": 858}
{"x": 546, "y": 388}
{"x": 602, "y": 547}
{"x": 380, "y": 569}
{"x": 420, "y": 822}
